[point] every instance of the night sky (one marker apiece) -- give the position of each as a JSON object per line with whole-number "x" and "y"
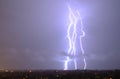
{"x": 33, "y": 33}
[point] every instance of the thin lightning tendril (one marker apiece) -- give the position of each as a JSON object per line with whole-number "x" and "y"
{"x": 74, "y": 17}
{"x": 81, "y": 46}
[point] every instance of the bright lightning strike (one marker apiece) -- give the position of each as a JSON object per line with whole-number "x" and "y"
{"x": 74, "y": 17}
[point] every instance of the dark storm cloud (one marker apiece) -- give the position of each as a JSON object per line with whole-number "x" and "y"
{"x": 33, "y": 33}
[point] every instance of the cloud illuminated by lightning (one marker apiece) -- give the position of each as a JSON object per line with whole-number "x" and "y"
{"x": 74, "y": 17}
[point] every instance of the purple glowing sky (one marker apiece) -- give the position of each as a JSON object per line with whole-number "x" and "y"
{"x": 33, "y": 33}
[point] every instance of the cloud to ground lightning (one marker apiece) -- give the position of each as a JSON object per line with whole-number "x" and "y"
{"x": 74, "y": 17}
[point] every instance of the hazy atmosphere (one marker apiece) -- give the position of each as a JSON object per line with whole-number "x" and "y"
{"x": 33, "y": 33}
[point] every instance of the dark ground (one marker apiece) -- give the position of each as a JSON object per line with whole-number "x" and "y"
{"x": 60, "y": 74}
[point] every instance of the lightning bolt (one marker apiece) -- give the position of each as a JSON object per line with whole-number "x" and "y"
{"x": 74, "y": 17}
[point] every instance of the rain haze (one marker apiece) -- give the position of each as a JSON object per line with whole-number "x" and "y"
{"x": 33, "y": 33}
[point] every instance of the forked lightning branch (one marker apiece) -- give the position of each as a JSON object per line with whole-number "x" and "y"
{"x": 74, "y": 18}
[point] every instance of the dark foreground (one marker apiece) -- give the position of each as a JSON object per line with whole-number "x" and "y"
{"x": 60, "y": 74}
